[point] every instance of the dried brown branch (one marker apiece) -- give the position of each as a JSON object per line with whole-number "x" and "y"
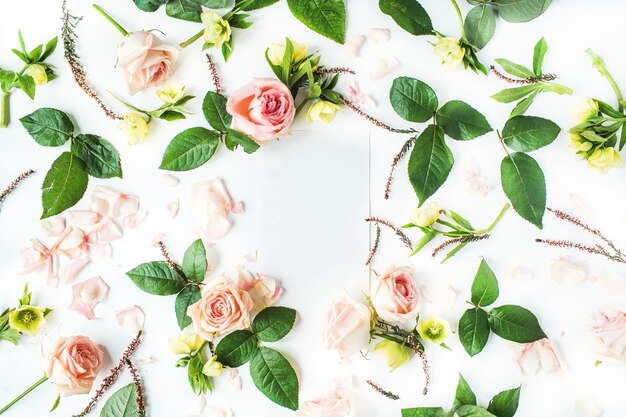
{"x": 404, "y": 238}
{"x": 13, "y": 185}
{"x": 396, "y": 160}
{"x": 371, "y": 119}
{"x": 166, "y": 255}
{"x": 335, "y": 70}
{"x": 382, "y": 392}
{"x": 375, "y": 247}
{"x": 530, "y": 80}
{"x": 140, "y": 399}
{"x": 462, "y": 239}
{"x": 215, "y": 75}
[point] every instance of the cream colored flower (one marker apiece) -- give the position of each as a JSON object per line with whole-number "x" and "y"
{"x": 426, "y": 215}
{"x": 450, "y": 52}
{"x": 578, "y": 143}
{"x": 276, "y": 52}
{"x": 588, "y": 108}
{"x": 135, "y": 126}
{"x": 322, "y": 109}
{"x": 37, "y": 72}
{"x": 212, "y": 368}
{"x": 216, "y": 29}
{"x": 434, "y": 330}
{"x": 605, "y": 159}
{"x": 27, "y": 319}
{"x": 185, "y": 343}
{"x": 395, "y": 354}
{"x": 171, "y": 92}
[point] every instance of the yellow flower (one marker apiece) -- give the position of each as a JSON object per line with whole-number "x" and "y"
{"x": 185, "y": 343}
{"x": 276, "y": 52}
{"x": 212, "y": 368}
{"x": 395, "y": 354}
{"x": 216, "y": 30}
{"x": 37, "y": 72}
{"x": 426, "y": 215}
{"x": 135, "y": 126}
{"x": 171, "y": 92}
{"x": 27, "y": 319}
{"x": 450, "y": 52}
{"x": 578, "y": 143}
{"x": 322, "y": 109}
{"x": 605, "y": 159}
{"x": 588, "y": 108}
{"x": 434, "y": 330}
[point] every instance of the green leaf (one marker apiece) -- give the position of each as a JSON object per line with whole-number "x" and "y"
{"x": 50, "y": 47}
{"x": 184, "y": 9}
{"x": 474, "y": 330}
{"x": 413, "y": 99}
{"x": 464, "y": 394}
{"x": 523, "y": 105}
{"x": 473, "y": 411}
{"x": 515, "y": 69}
{"x": 214, "y": 109}
{"x": 27, "y": 84}
{"x": 156, "y": 278}
{"x": 236, "y": 138}
{"x": 170, "y": 115}
{"x": 524, "y": 184}
{"x": 423, "y": 412}
{"x": 273, "y": 323}
{"x": 100, "y": 157}
{"x": 259, "y": 4}
{"x": 237, "y": 348}
{"x": 480, "y": 25}
{"x": 518, "y": 11}
{"x": 505, "y": 403}
{"x": 213, "y": 4}
{"x": 515, "y": 323}
{"x": 274, "y": 376}
{"x": 409, "y": 15}
{"x": 529, "y": 133}
{"x": 461, "y": 121}
{"x": 539, "y": 54}
{"x": 556, "y": 88}
{"x": 149, "y": 5}
{"x": 49, "y": 127}
{"x": 326, "y": 17}
{"x": 190, "y": 149}
{"x": 194, "y": 262}
{"x": 509, "y": 95}
{"x": 430, "y": 163}
{"x": 64, "y": 185}
{"x": 188, "y": 296}
{"x": 122, "y": 403}
{"x": 485, "y": 289}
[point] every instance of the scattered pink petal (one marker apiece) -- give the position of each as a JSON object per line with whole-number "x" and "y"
{"x": 263, "y": 290}
{"x": 118, "y": 204}
{"x": 217, "y": 227}
{"x": 613, "y": 282}
{"x": 378, "y": 35}
{"x": 234, "y": 378}
{"x": 131, "y": 319}
{"x": 172, "y": 208}
{"x": 383, "y": 66}
{"x": 146, "y": 360}
{"x": 100, "y": 250}
{"x": 236, "y": 207}
{"x": 352, "y": 47}
{"x": 134, "y": 219}
{"x": 87, "y": 294}
{"x": 521, "y": 273}
{"x": 542, "y": 354}
{"x": 609, "y": 331}
{"x": 354, "y": 95}
{"x": 210, "y": 198}
{"x": 84, "y": 218}
{"x": 251, "y": 256}
{"x": 108, "y": 231}
{"x": 580, "y": 205}
{"x": 477, "y": 184}
{"x": 99, "y": 205}
{"x": 53, "y": 226}
{"x": 169, "y": 180}
{"x": 67, "y": 272}
{"x": 568, "y": 273}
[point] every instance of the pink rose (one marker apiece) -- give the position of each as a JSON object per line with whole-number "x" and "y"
{"x": 263, "y": 109}
{"x": 223, "y": 308}
{"x": 336, "y": 403}
{"x": 74, "y": 364}
{"x": 347, "y": 326}
{"x": 609, "y": 329}
{"x": 145, "y": 60}
{"x": 264, "y": 291}
{"x": 395, "y": 296}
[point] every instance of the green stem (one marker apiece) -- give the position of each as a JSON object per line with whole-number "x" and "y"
{"x": 25, "y": 393}
{"x": 496, "y": 221}
{"x": 192, "y": 39}
{"x": 460, "y": 16}
{"x": 110, "y": 19}
{"x": 4, "y": 110}
{"x": 599, "y": 64}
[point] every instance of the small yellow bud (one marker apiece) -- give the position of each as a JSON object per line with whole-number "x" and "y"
{"x": 426, "y": 215}
{"x": 322, "y": 110}
{"x": 185, "y": 343}
{"x": 276, "y": 52}
{"x": 212, "y": 368}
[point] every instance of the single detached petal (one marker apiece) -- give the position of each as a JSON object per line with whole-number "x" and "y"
{"x": 378, "y": 35}
{"x": 172, "y": 208}
{"x": 133, "y": 220}
{"x": 352, "y": 47}
{"x": 234, "y": 378}
{"x": 477, "y": 184}
{"x": 87, "y": 294}
{"x": 217, "y": 227}
{"x": 251, "y": 256}
{"x": 383, "y": 66}
{"x": 53, "y": 226}
{"x": 236, "y": 207}
{"x": 613, "y": 282}
{"x": 131, "y": 319}
{"x": 521, "y": 273}
{"x": 169, "y": 180}
{"x": 568, "y": 273}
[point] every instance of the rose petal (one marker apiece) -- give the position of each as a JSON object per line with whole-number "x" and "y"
{"x": 352, "y": 47}
{"x": 172, "y": 208}
{"x": 131, "y": 319}
{"x": 542, "y": 354}
{"x": 87, "y": 294}
{"x": 378, "y": 35}
{"x": 53, "y": 226}
{"x": 169, "y": 180}
{"x": 210, "y": 198}
{"x": 217, "y": 227}
{"x": 477, "y": 184}
{"x": 355, "y": 96}
{"x": 251, "y": 256}
{"x": 236, "y": 207}
{"x": 613, "y": 282}
{"x": 383, "y": 66}
{"x": 568, "y": 273}
{"x": 133, "y": 220}
{"x": 67, "y": 272}
{"x": 84, "y": 218}
{"x": 521, "y": 273}
{"x": 234, "y": 378}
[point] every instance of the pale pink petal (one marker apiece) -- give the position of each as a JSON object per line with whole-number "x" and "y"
{"x": 265, "y": 292}
{"x": 67, "y": 272}
{"x": 521, "y": 273}
{"x": 568, "y": 273}
{"x": 355, "y": 96}
{"x": 133, "y": 220}
{"x": 542, "y": 354}
{"x": 87, "y": 294}
{"x": 383, "y": 66}
{"x": 131, "y": 319}
{"x": 34, "y": 257}
{"x": 71, "y": 245}
{"x": 126, "y": 205}
{"x": 108, "y": 231}
{"x": 172, "y": 208}
{"x": 236, "y": 207}
{"x": 580, "y": 205}
{"x": 210, "y": 198}
{"x": 234, "y": 378}
{"x": 84, "y": 218}
{"x": 378, "y": 35}
{"x": 612, "y": 282}
{"x": 169, "y": 180}
{"x": 352, "y": 47}
{"x": 217, "y": 227}
{"x": 146, "y": 360}
{"x": 100, "y": 205}
{"x": 251, "y": 256}
{"x": 53, "y": 226}
{"x": 100, "y": 251}
{"x": 477, "y": 184}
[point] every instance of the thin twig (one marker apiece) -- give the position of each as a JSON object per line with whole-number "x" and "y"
{"x": 462, "y": 239}
{"x": 13, "y": 185}
{"x": 215, "y": 75}
{"x": 371, "y": 119}
{"x": 375, "y": 247}
{"x": 69, "y": 36}
{"x": 396, "y": 160}
{"x": 383, "y": 392}
{"x": 404, "y": 238}
{"x": 335, "y": 70}
{"x": 530, "y": 80}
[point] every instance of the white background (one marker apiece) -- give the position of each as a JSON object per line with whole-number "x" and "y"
{"x": 306, "y": 198}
